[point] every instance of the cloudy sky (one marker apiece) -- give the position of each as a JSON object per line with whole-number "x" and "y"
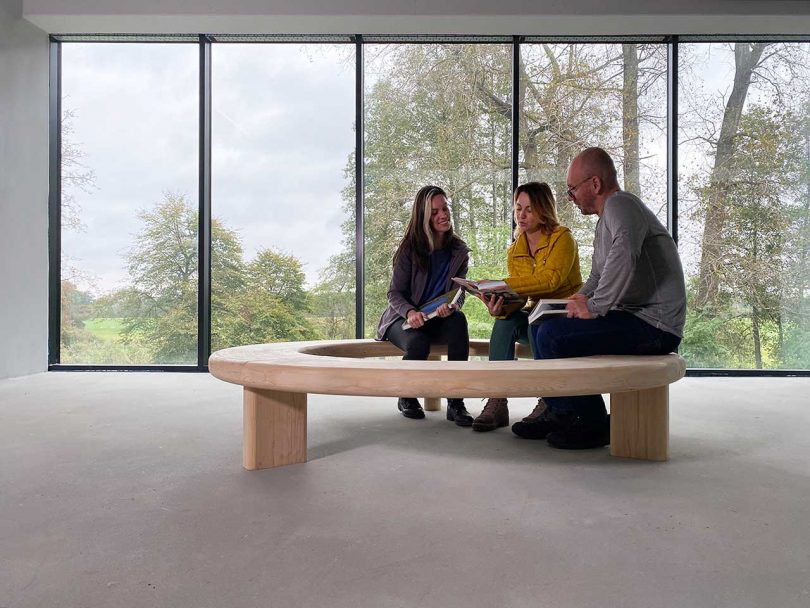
{"x": 282, "y": 133}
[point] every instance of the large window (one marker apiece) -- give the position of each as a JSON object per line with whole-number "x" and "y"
{"x": 282, "y": 237}
{"x": 610, "y": 95}
{"x": 437, "y": 114}
{"x": 129, "y": 203}
{"x": 745, "y": 193}
{"x": 286, "y": 116}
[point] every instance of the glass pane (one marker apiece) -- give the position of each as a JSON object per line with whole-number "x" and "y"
{"x": 437, "y": 114}
{"x": 129, "y": 203}
{"x": 744, "y": 171}
{"x": 574, "y": 96}
{"x": 283, "y": 193}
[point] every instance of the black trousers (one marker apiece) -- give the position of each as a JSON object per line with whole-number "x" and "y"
{"x": 451, "y": 331}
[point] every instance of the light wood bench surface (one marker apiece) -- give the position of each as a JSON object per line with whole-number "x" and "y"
{"x": 277, "y": 378}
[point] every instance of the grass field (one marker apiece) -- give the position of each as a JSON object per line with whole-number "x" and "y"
{"x": 104, "y": 329}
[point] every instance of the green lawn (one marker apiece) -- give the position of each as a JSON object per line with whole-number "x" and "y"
{"x": 104, "y": 329}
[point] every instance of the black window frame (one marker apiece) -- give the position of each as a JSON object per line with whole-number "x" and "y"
{"x": 205, "y": 42}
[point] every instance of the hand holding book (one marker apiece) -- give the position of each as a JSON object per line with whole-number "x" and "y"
{"x": 547, "y": 308}
{"x": 489, "y": 287}
{"x": 432, "y": 309}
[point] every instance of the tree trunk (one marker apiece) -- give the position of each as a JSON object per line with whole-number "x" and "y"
{"x": 755, "y": 335}
{"x": 746, "y": 59}
{"x": 630, "y": 127}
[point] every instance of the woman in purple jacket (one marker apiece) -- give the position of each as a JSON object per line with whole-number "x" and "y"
{"x": 428, "y": 257}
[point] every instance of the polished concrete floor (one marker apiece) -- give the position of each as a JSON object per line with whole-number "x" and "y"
{"x": 126, "y": 490}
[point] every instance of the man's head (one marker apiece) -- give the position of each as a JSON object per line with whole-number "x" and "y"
{"x": 591, "y": 180}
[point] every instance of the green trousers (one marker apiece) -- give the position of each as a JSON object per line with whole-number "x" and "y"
{"x": 505, "y": 332}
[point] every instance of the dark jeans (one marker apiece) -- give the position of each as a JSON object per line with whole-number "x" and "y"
{"x": 617, "y": 333}
{"x": 451, "y": 331}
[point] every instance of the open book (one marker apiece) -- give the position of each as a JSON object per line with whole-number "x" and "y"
{"x": 490, "y": 287}
{"x": 431, "y": 309}
{"x": 546, "y": 308}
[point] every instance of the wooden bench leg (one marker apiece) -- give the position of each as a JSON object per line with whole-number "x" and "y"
{"x": 275, "y": 428}
{"x": 639, "y": 424}
{"x": 433, "y": 404}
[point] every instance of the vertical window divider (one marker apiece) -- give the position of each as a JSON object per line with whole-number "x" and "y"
{"x": 359, "y": 182}
{"x": 204, "y": 220}
{"x": 516, "y": 40}
{"x": 55, "y": 202}
{"x": 672, "y": 137}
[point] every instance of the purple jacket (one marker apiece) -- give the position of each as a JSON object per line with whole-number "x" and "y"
{"x": 408, "y": 283}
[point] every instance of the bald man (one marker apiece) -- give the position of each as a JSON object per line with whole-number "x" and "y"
{"x": 633, "y": 303}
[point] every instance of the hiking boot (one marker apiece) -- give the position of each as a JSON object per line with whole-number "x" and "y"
{"x": 494, "y": 415}
{"x": 410, "y": 407}
{"x": 538, "y": 412}
{"x": 456, "y": 412}
{"x": 536, "y": 425}
{"x": 576, "y": 433}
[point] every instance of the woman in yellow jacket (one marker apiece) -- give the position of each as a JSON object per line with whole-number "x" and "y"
{"x": 543, "y": 262}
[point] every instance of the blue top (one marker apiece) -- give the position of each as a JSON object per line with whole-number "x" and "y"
{"x": 437, "y": 279}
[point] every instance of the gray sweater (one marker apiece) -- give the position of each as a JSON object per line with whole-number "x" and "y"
{"x": 635, "y": 266}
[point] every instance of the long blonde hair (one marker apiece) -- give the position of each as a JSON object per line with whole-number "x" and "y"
{"x": 419, "y": 234}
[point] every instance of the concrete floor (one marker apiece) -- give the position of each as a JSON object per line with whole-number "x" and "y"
{"x": 126, "y": 490}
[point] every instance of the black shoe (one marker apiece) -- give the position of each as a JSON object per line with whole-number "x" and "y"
{"x": 410, "y": 407}
{"x": 577, "y": 433}
{"x": 458, "y": 413}
{"x": 536, "y": 425}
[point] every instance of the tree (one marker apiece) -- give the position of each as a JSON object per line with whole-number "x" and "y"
{"x": 260, "y": 301}
{"x": 441, "y": 113}
{"x": 745, "y": 202}
{"x": 765, "y": 169}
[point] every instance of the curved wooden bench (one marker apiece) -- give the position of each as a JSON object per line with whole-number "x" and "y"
{"x": 277, "y": 378}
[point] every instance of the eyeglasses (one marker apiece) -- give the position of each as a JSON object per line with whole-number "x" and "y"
{"x": 572, "y": 189}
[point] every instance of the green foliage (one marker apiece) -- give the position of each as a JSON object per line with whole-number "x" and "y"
{"x": 155, "y": 319}
{"x": 760, "y": 277}
{"x": 257, "y": 316}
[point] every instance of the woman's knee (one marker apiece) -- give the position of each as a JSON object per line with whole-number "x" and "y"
{"x": 417, "y": 347}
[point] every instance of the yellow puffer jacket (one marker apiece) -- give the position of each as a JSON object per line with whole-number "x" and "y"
{"x": 553, "y": 271}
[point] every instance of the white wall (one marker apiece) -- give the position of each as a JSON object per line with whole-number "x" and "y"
{"x": 23, "y": 194}
{"x": 551, "y": 17}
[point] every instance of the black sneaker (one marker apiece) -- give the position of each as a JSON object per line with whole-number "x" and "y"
{"x": 576, "y": 433}
{"x": 410, "y": 407}
{"x": 456, "y": 412}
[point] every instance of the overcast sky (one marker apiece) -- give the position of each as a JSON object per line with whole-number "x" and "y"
{"x": 282, "y": 131}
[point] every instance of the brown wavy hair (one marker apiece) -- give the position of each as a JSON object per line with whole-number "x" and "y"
{"x": 541, "y": 199}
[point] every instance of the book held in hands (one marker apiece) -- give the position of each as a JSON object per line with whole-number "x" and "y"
{"x": 489, "y": 288}
{"x": 547, "y": 308}
{"x": 430, "y": 309}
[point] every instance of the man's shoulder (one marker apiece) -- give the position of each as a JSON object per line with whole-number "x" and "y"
{"x": 622, "y": 198}
{"x": 624, "y": 206}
